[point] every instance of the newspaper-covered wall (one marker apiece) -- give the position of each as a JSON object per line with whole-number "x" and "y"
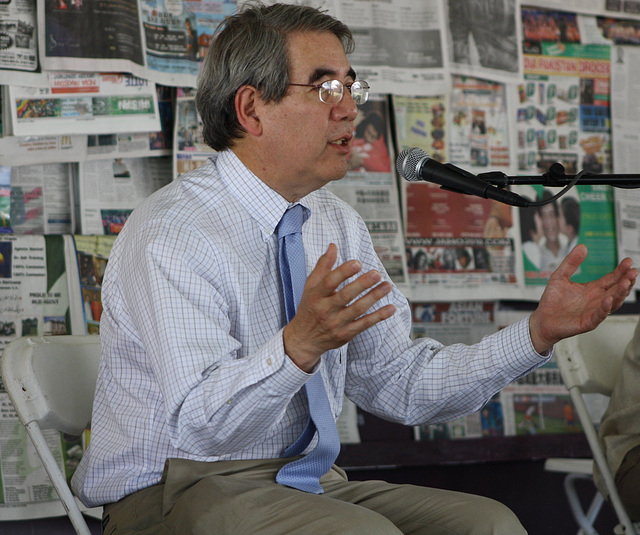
{"x": 620, "y": 8}
{"x": 156, "y": 40}
{"x": 38, "y": 296}
{"x": 109, "y": 190}
{"x": 37, "y": 148}
{"x": 487, "y": 86}
{"x": 19, "y": 58}
{"x": 83, "y": 103}
{"x": 458, "y": 245}
{"x": 190, "y": 151}
{"x": 40, "y": 199}
{"x": 550, "y": 106}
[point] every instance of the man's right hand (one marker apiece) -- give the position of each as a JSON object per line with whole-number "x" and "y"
{"x": 327, "y": 318}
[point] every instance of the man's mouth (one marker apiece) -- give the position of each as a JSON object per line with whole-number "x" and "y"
{"x": 342, "y": 141}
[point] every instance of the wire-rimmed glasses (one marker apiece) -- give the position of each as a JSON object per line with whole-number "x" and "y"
{"x": 332, "y": 91}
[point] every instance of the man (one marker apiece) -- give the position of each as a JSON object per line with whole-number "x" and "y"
{"x": 205, "y": 387}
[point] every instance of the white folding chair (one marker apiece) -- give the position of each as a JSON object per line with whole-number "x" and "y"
{"x": 590, "y": 363}
{"x": 51, "y": 382}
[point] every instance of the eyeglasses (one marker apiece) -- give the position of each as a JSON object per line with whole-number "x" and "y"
{"x": 332, "y": 91}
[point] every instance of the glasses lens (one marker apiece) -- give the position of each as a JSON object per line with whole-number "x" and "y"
{"x": 331, "y": 91}
{"x": 359, "y": 91}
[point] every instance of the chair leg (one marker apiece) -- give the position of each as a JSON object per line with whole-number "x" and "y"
{"x": 594, "y": 508}
{"x": 585, "y": 521}
{"x": 600, "y": 460}
{"x": 57, "y": 478}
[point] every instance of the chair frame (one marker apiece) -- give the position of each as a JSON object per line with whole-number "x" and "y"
{"x": 577, "y": 371}
{"x": 51, "y": 382}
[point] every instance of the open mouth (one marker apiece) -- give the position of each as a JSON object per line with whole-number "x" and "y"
{"x": 343, "y": 141}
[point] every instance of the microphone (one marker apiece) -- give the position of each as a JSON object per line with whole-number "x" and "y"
{"x": 414, "y": 165}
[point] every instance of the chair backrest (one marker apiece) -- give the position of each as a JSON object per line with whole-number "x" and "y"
{"x": 590, "y": 363}
{"x": 592, "y": 360}
{"x": 52, "y": 380}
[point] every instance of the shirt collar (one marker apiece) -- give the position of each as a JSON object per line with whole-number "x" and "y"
{"x": 264, "y": 204}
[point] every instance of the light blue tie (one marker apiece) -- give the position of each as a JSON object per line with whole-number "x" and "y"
{"x": 304, "y": 473}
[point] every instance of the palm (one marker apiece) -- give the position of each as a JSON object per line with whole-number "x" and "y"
{"x": 568, "y": 308}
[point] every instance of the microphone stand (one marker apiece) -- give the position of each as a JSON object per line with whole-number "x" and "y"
{"x": 556, "y": 177}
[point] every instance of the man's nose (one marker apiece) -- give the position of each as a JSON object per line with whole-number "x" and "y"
{"x": 346, "y": 108}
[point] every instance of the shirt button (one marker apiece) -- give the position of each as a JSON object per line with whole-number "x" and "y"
{"x": 269, "y": 362}
{"x": 229, "y": 401}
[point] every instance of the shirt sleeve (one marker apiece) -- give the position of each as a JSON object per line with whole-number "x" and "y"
{"x": 176, "y": 296}
{"x": 423, "y": 381}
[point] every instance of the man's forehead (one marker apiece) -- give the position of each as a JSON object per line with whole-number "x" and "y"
{"x": 315, "y": 55}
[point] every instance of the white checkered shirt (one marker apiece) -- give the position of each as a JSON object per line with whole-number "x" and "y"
{"x": 193, "y": 364}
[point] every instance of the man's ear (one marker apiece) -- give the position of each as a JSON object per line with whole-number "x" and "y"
{"x": 247, "y": 102}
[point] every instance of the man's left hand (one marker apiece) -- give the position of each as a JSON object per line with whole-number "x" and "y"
{"x": 568, "y": 308}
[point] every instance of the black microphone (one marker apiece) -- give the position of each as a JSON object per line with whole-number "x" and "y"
{"x": 414, "y": 164}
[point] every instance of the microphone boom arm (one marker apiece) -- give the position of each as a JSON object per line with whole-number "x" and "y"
{"x": 556, "y": 177}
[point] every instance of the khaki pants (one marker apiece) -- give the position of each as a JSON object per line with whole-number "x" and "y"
{"x": 242, "y": 498}
{"x": 628, "y": 483}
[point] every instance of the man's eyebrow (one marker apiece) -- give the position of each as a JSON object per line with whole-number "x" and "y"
{"x": 322, "y": 72}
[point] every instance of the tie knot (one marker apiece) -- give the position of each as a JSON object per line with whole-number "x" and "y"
{"x": 291, "y": 222}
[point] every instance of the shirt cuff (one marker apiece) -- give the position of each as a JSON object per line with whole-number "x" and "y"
{"x": 517, "y": 342}
{"x": 284, "y": 375}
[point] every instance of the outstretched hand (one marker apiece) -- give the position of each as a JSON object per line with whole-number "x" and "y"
{"x": 568, "y": 308}
{"x": 328, "y": 318}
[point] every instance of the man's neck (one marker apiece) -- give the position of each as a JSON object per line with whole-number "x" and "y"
{"x": 259, "y": 167}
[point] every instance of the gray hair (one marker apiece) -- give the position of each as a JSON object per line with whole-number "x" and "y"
{"x": 250, "y": 48}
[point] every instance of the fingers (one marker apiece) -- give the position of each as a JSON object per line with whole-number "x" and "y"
{"x": 344, "y": 309}
{"x": 327, "y": 280}
{"x": 357, "y": 297}
{"x": 333, "y": 310}
{"x": 618, "y": 288}
{"x": 627, "y": 272}
{"x": 358, "y": 306}
{"x": 620, "y": 281}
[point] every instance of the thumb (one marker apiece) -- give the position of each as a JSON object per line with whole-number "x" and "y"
{"x": 571, "y": 262}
